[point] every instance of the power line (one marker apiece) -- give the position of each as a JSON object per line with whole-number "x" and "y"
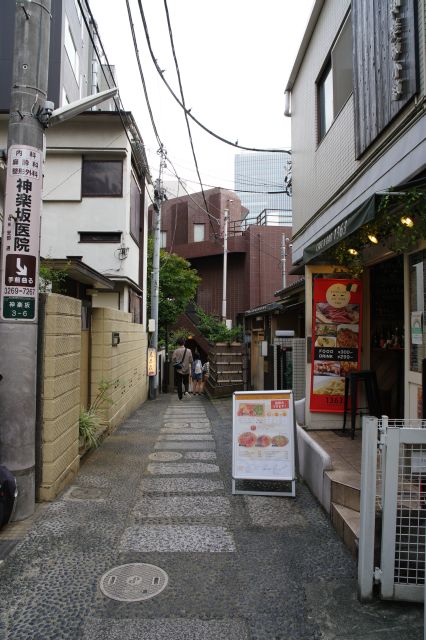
{"x": 213, "y": 186}
{"x": 135, "y": 45}
{"x": 183, "y": 102}
{"x": 188, "y": 111}
{"x": 118, "y": 100}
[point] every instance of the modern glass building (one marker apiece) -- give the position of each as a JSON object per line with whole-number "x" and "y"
{"x": 257, "y": 177}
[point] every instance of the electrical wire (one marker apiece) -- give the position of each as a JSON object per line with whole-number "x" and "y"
{"x": 188, "y": 111}
{"x": 213, "y": 186}
{"x": 135, "y": 44}
{"x": 118, "y": 100}
{"x": 166, "y": 8}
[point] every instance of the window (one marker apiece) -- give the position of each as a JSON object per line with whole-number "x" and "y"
{"x": 135, "y": 210}
{"x": 199, "y": 232}
{"x": 71, "y": 50}
{"x": 102, "y": 178}
{"x": 163, "y": 239}
{"x": 335, "y": 82}
{"x": 113, "y": 237}
{"x": 416, "y": 340}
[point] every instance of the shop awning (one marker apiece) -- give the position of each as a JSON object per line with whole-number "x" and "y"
{"x": 360, "y": 216}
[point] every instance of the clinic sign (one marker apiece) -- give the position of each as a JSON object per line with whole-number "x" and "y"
{"x": 21, "y": 230}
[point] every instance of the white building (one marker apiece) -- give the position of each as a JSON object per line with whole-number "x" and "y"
{"x": 356, "y": 96}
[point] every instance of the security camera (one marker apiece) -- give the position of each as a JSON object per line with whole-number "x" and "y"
{"x": 45, "y": 113}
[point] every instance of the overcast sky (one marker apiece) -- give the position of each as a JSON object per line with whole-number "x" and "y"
{"x": 235, "y": 57}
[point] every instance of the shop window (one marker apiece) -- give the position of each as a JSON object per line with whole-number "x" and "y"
{"x": 199, "y": 232}
{"x": 135, "y": 210}
{"x": 417, "y": 343}
{"x": 335, "y": 82}
{"x": 102, "y": 178}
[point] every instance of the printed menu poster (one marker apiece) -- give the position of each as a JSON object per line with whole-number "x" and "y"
{"x": 336, "y": 341}
{"x": 263, "y": 436}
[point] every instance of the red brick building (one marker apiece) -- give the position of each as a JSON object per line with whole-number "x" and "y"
{"x": 255, "y": 263}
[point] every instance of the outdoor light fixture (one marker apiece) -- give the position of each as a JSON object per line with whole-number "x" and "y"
{"x": 407, "y": 221}
{"x": 373, "y": 238}
{"x": 353, "y": 252}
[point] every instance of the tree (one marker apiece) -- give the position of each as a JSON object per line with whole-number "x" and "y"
{"x": 178, "y": 286}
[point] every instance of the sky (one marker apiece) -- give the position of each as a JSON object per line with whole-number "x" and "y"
{"x": 234, "y": 57}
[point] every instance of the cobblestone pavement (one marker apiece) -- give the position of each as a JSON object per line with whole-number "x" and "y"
{"x": 158, "y": 492}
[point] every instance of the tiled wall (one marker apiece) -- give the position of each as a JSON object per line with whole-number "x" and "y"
{"x": 318, "y": 170}
{"x": 124, "y": 365}
{"x": 60, "y": 399}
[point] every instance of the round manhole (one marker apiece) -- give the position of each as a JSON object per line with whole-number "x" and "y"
{"x": 133, "y": 582}
{"x": 165, "y": 456}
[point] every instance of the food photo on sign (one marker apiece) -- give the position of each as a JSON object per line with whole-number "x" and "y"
{"x": 336, "y": 335}
{"x": 263, "y": 436}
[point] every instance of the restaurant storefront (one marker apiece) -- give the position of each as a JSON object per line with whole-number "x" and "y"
{"x": 366, "y": 312}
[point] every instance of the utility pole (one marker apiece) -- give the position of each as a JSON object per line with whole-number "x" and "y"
{"x": 155, "y": 278}
{"x": 225, "y": 261}
{"x": 284, "y": 243}
{"x": 21, "y": 248}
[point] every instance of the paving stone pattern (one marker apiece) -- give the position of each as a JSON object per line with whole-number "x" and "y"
{"x": 238, "y": 567}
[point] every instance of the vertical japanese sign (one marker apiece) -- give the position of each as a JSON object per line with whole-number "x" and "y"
{"x": 21, "y": 230}
{"x": 336, "y": 341}
{"x": 263, "y": 435}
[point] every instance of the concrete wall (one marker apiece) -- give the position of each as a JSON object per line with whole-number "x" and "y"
{"x": 60, "y": 394}
{"x": 125, "y": 365}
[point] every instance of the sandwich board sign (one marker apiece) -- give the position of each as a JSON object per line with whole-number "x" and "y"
{"x": 263, "y": 439}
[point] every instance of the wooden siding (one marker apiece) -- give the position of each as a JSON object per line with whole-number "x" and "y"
{"x": 374, "y": 105}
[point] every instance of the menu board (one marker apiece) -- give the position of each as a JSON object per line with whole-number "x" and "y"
{"x": 263, "y": 435}
{"x": 336, "y": 341}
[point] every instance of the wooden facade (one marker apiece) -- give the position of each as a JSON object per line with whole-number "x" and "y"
{"x": 385, "y": 73}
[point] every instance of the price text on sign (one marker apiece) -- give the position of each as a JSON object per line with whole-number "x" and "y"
{"x": 336, "y": 341}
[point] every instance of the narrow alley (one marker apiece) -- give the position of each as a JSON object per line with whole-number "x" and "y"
{"x": 220, "y": 567}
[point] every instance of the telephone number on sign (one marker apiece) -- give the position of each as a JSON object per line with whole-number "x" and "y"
{"x": 19, "y": 291}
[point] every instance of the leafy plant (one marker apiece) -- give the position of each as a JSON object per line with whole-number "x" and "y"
{"x": 387, "y": 227}
{"x": 90, "y": 419}
{"x": 178, "y": 285}
{"x": 214, "y": 330}
{"x": 51, "y": 280}
{"x": 88, "y": 424}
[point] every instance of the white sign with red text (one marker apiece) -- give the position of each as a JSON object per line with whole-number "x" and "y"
{"x": 263, "y": 435}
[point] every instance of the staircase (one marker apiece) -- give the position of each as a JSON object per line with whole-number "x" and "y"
{"x": 345, "y": 506}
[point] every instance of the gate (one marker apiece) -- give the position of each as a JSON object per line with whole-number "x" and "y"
{"x": 290, "y": 365}
{"x": 393, "y": 509}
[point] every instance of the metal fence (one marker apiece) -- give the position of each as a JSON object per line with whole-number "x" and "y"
{"x": 393, "y": 509}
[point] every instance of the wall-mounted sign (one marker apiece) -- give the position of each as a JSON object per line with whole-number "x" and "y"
{"x": 416, "y": 327}
{"x": 385, "y": 64}
{"x": 152, "y": 362}
{"x": 263, "y": 440}
{"x": 336, "y": 341}
{"x": 20, "y": 258}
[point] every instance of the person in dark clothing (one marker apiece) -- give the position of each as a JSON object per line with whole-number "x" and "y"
{"x": 182, "y": 361}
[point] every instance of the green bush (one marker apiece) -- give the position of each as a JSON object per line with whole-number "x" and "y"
{"x": 214, "y": 330}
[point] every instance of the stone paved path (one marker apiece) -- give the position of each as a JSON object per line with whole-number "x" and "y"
{"x": 158, "y": 491}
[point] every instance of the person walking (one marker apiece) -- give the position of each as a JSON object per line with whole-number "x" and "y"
{"x": 197, "y": 374}
{"x": 182, "y": 361}
{"x": 204, "y": 376}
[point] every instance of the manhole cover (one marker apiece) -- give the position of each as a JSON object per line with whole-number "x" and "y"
{"x": 133, "y": 582}
{"x": 88, "y": 493}
{"x": 165, "y": 456}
